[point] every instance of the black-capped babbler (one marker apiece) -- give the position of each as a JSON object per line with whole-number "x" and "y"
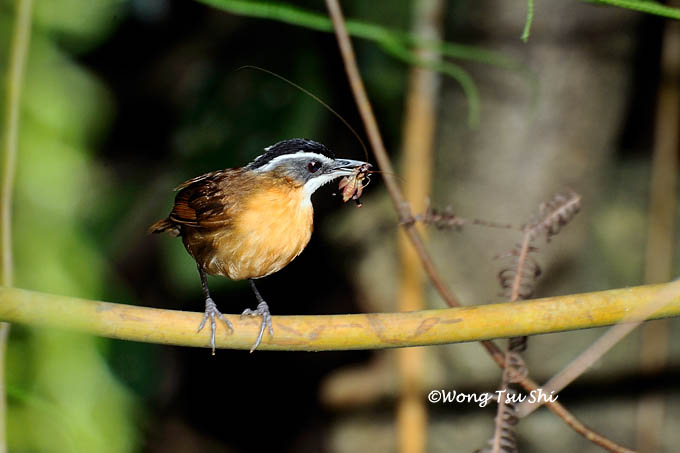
{"x": 249, "y": 222}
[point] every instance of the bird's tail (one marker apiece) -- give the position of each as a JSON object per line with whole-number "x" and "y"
{"x": 164, "y": 226}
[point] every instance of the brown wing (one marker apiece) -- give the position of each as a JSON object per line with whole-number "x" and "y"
{"x": 208, "y": 200}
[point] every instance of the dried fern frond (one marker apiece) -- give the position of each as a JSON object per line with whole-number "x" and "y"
{"x": 441, "y": 220}
{"x": 447, "y": 220}
{"x": 504, "y": 439}
{"x": 518, "y": 279}
{"x": 517, "y": 344}
{"x": 515, "y": 367}
{"x": 555, "y": 214}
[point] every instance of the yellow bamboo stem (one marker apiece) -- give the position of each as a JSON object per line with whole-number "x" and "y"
{"x": 335, "y": 332}
{"x": 419, "y": 131}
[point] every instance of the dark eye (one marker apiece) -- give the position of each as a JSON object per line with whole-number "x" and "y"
{"x": 313, "y": 166}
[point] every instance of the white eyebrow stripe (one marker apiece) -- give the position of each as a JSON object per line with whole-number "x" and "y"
{"x": 278, "y": 160}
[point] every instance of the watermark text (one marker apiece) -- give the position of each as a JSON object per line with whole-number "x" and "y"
{"x": 482, "y": 399}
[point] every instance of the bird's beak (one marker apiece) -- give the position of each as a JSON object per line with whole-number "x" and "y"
{"x": 346, "y": 167}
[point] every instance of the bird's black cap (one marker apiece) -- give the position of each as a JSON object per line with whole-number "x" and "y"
{"x": 292, "y": 146}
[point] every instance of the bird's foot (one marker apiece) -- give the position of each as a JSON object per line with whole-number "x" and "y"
{"x": 211, "y": 312}
{"x": 261, "y": 310}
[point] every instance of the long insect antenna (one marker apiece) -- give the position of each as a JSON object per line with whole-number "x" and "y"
{"x": 313, "y": 96}
{"x": 380, "y": 172}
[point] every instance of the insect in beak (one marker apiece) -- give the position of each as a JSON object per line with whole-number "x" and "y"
{"x": 353, "y": 184}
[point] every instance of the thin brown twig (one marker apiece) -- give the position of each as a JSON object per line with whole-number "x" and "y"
{"x": 384, "y": 162}
{"x": 446, "y": 219}
{"x": 557, "y": 408}
{"x": 603, "y": 344}
{"x": 406, "y": 221}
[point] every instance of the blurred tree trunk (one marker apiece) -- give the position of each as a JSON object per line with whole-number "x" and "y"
{"x": 661, "y": 234}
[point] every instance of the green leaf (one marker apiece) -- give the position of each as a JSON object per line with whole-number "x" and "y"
{"x": 400, "y": 45}
{"x": 644, "y": 6}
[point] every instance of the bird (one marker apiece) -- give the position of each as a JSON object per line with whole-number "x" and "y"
{"x": 249, "y": 222}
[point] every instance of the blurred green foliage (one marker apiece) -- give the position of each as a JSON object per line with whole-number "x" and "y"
{"x": 62, "y": 394}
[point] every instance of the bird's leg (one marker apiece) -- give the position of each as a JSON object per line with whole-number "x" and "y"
{"x": 261, "y": 310}
{"x": 210, "y": 312}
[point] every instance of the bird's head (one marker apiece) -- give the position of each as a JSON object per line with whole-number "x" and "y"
{"x": 305, "y": 162}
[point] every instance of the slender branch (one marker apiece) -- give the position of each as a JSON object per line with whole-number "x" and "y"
{"x": 585, "y": 431}
{"x": 558, "y": 409}
{"x": 602, "y": 345}
{"x": 381, "y": 156}
{"x": 337, "y": 332}
{"x": 17, "y": 64}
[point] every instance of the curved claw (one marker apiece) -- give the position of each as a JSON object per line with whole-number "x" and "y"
{"x": 261, "y": 310}
{"x": 210, "y": 312}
